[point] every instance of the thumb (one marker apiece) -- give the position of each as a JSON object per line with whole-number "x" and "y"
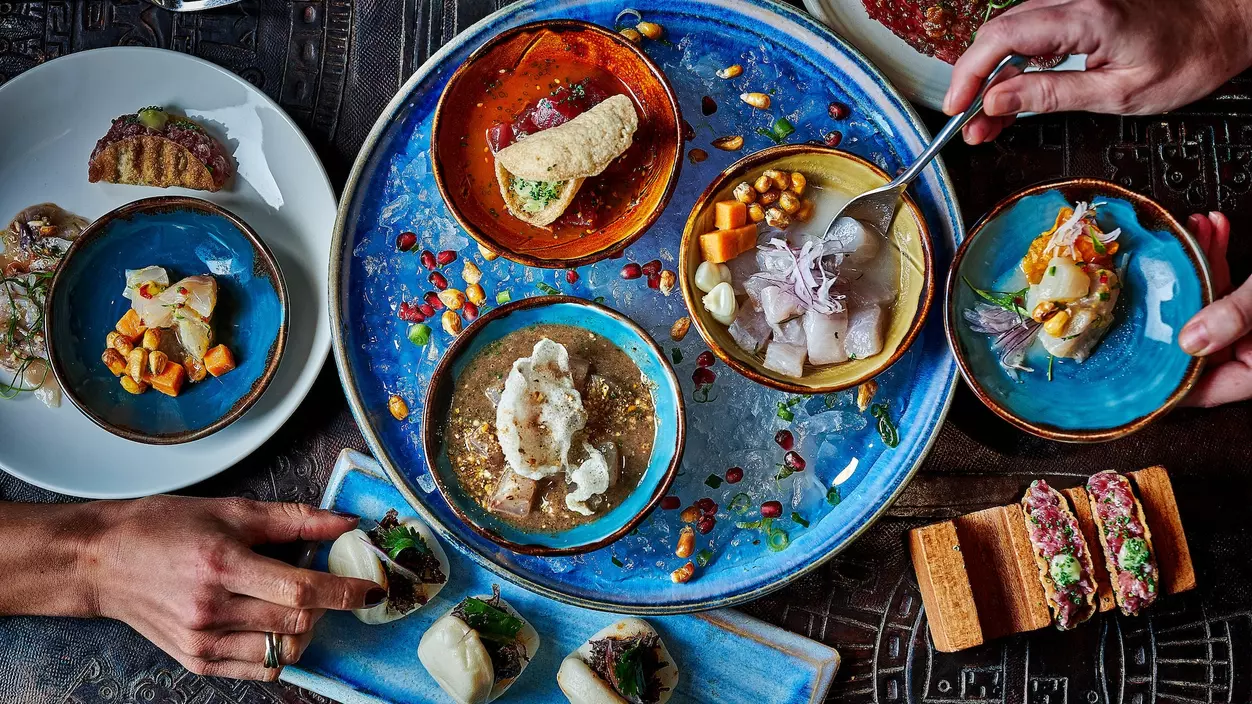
{"x": 1219, "y": 325}
{"x": 259, "y": 522}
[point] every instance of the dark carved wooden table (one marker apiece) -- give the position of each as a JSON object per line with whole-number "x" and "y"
{"x": 333, "y": 64}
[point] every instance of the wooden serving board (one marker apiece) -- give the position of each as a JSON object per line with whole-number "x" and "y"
{"x": 978, "y": 577}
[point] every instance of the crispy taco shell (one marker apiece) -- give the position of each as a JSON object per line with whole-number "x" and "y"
{"x": 549, "y": 213}
{"x": 1045, "y": 573}
{"x": 149, "y": 160}
{"x": 1110, "y": 559}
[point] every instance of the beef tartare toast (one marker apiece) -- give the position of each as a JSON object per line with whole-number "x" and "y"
{"x": 1126, "y": 541}
{"x": 1066, "y": 570}
{"x": 153, "y": 147}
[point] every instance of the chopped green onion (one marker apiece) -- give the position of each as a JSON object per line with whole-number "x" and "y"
{"x": 616, "y": 562}
{"x": 419, "y": 334}
{"x": 1051, "y": 359}
{"x": 545, "y": 288}
{"x": 886, "y": 428}
{"x": 779, "y": 131}
{"x": 1006, "y": 300}
{"x": 503, "y": 297}
{"x": 704, "y": 557}
{"x": 740, "y": 503}
{"x": 488, "y": 620}
{"x": 833, "y": 497}
{"x": 799, "y": 519}
{"x": 785, "y": 413}
{"x": 778, "y": 539}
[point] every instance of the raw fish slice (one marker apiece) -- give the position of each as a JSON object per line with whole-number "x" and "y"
{"x": 865, "y": 330}
{"x": 198, "y": 293}
{"x": 785, "y": 359}
{"x": 852, "y": 238}
{"x": 754, "y": 286}
{"x": 779, "y": 305}
{"x": 869, "y": 292}
{"x": 773, "y": 260}
{"x": 514, "y": 495}
{"x": 742, "y": 268}
{"x": 750, "y": 330}
{"x": 194, "y": 335}
{"x": 825, "y": 335}
{"x": 791, "y": 332}
{"x": 153, "y": 310}
{"x": 147, "y": 275}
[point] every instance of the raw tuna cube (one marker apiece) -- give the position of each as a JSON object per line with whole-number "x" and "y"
{"x": 750, "y": 330}
{"x": 779, "y": 305}
{"x": 785, "y": 359}
{"x": 865, "y": 330}
{"x": 854, "y": 239}
{"x": 514, "y": 496}
{"x": 790, "y": 332}
{"x": 825, "y": 335}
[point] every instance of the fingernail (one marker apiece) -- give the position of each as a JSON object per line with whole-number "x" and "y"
{"x": 375, "y": 596}
{"x": 947, "y": 104}
{"x": 345, "y": 514}
{"x": 1194, "y": 338}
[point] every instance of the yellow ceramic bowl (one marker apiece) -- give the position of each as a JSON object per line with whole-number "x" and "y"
{"x": 838, "y": 176}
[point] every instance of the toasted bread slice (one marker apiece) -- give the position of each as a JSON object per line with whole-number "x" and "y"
{"x": 1130, "y": 605}
{"x": 1070, "y": 530}
{"x": 150, "y": 161}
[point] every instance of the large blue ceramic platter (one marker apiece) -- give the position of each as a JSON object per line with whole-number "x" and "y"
{"x": 1138, "y": 371}
{"x": 850, "y": 474}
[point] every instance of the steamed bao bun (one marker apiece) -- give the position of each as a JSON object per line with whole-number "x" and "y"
{"x": 454, "y": 655}
{"x": 351, "y": 556}
{"x": 582, "y": 685}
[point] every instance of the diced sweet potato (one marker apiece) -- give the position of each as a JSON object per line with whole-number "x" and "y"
{"x": 219, "y": 360}
{"x": 170, "y": 380}
{"x": 729, "y": 214}
{"x": 723, "y": 245}
{"x": 131, "y": 327}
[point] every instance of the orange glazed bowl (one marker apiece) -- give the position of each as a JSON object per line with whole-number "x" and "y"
{"x": 503, "y": 80}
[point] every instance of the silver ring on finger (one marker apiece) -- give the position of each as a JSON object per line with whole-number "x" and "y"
{"x": 273, "y": 648}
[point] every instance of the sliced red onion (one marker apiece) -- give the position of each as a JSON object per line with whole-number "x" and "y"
{"x": 1013, "y": 332}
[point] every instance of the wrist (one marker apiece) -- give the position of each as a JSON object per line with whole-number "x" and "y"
{"x": 89, "y": 542}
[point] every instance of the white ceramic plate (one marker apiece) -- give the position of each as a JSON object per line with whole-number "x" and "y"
{"x": 50, "y": 119}
{"x": 922, "y": 79}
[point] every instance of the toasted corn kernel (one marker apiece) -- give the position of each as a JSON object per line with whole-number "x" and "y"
{"x": 781, "y": 181}
{"x": 195, "y": 369}
{"x": 151, "y": 339}
{"x": 1055, "y": 325}
{"x": 157, "y": 361}
{"x": 136, "y": 362}
{"x": 763, "y": 183}
{"x": 683, "y": 574}
{"x": 865, "y": 393}
{"x": 730, "y": 71}
{"x": 1042, "y": 310}
{"x": 756, "y": 213}
{"x": 679, "y": 329}
{"x": 134, "y": 387}
{"x": 789, "y": 203}
{"x": 487, "y": 254}
{"x": 471, "y": 273}
{"x": 770, "y": 197}
{"x": 114, "y": 361}
{"x": 732, "y": 143}
{"x": 120, "y": 343}
{"x": 691, "y": 514}
{"x": 745, "y": 193}
{"x": 475, "y": 294}
{"x": 399, "y": 409}
{"x": 686, "y": 542}
{"x": 452, "y": 298}
{"x": 775, "y": 217}
{"x": 668, "y": 279}
{"x": 805, "y": 212}
{"x": 759, "y": 101}
{"x": 798, "y": 183}
{"x": 651, "y": 30}
{"x": 451, "y": 322}
{"x": 632, "y": 34}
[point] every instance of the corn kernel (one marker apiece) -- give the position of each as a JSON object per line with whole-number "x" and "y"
{"x": 632, "y": 34}
{"x": 196, "y": 370}
{"x": 691, "y": 514}
{"x": 151, "y": 339}
{"x": 114, "y": 361}
{"x": 399, "y": 409}
{"x": 451, "y": 322}
{"x": 763, "y": 183}
{"x": 651, "y": 30}
{"x": 471, "y": 273}
{"x": 686, "y": 542}
{"x": 770, "y": 197}
{"x": 132, "y": 386}
{"x": 865, "y": 393}
{"x": 679, "y": 329}
{"x": 789, "y": 203}
{"x": 1055, "y": 325}
{"x": 805, "y": 213}
{"x": 1042, "y": 310}
{"x": 682, "y": 574}
{"x": 781, "y": 181}
{"x": 730, "y": 71}
{"x": 745, "y": 193}
{"x": 475, "y": 294}
{"x": 136, "y": 363}
{"x": 487, "y": 254}
{"x": 756, "y": 213}
{"x": 668, "y": 279}
{"x": 157, "y": 361}
{"x": 452, "y": 298}
{"x": 798, "y": 183}
{"x": 775, "y": 217}
{"x": 120, "y": 343}
{"x": 759, "y": 101}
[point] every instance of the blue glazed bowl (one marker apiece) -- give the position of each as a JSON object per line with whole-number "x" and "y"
{"x": 186, "y": 236}
{"x": 667, "y": 398}
{"x": 1138, "y": 371}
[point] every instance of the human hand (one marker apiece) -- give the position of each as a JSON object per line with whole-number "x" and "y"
{"x": 182, "y": 572}
{"x": 1222, "y": 331}
{"x": 1142, "y": 58}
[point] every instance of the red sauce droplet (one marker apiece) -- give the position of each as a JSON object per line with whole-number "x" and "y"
{"x": 734, "y": 475}
{"x": 406, "y": 241}
{"x": 705, "y": 359}
{"x": 785, "y": 439}
{"x": 771, "y": 509}
{"x": 631, "y": 271}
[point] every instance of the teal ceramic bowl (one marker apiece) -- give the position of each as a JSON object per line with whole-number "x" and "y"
{"x": 667, "y": 399}
{"x": 1137, "y": 372}
{"x": 187, "y": 236}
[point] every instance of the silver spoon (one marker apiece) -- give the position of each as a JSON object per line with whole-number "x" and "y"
{"x": 877, "y": 208}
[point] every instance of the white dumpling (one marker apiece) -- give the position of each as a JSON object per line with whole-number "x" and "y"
{"x": 580, "y": 683}
{"x": 535, "y": 437}
{"x": 455, "y": 657}
{"x": 825, "y": 337}
{"x": 350, "y": 557}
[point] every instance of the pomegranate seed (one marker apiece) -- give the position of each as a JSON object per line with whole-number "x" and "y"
{"x": 702, "y": 376}
{"x": 734, "y": 475}
{"x": 632, "y": 271}
{"x": 438, "y": 280}
{"x": 410, "y": 314}
{"x": 837, "y": 110}
{"x": 705, "y": 359}
{"x": 708, "y": 106}
{"x": 446, "y": 257}
{"x": 470, "y": 310}
{"x": 784, "y": 439}
{"x": 689, "y": 132}
{"x": 652, "y": 267}
{"x": 571, "y": 276}
{"x": 771, "y": 509}
{"x": 706, "y": 525}
{"x": 428, "y": 259}
{"x": 669, "y": 503}
{"x": 794, "y": 461}
{"x": 432, "y": 300}
{"x": 833, "y": 138}
{"x": 706, "y": 505}
{"x": 406, "y": 241}
{"x": 427, "y": 310}
{"x": 654, "y": 281}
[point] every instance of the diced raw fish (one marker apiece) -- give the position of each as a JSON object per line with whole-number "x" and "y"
{"x": 514, "y": 496}
{"x": 481, "y": 441}
{"x": 194, "y": 335}
{"x": 825, "y": 336}
{"x": 854, "y": 239}
{"x": 868, "y": 291}
{"x": 613, "y": 459}
{"x": 493, "y": 394}
{"x": 785, "y": 359}
{"x": 742, "y": 268}
{"x": 779, "y": 305}
{"x": 578, "y": 370}
{"x": 750, "y": 330}
{"x": 198, "y": 293}
{"x": 773, "y": 259}
{"x": 865, "y": 330}
{"x": 754, "y": 286}
{"x": 790, "y": 332}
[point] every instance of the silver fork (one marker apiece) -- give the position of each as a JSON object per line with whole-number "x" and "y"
{"x": 877, "y": 208}
{"x": 191, "y": 5}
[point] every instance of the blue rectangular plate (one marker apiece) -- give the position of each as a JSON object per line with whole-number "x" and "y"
{"x": 724, "y": 656}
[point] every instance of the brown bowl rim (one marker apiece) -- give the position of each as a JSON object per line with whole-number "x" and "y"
{"x": 644, "y": 224}
{"x": 1049, "y": 432}
{"x": 758, "y": 160}
{"x": 431, "y": 430}
{"x": 275, "y": 352}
